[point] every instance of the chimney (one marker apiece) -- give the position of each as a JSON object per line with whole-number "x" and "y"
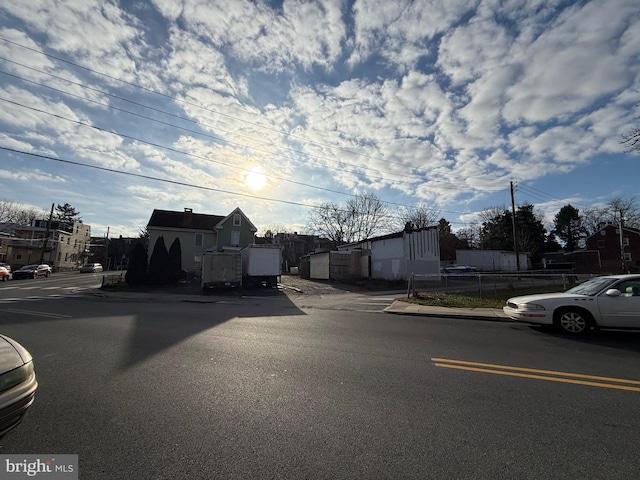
{"x": 188, "y": 218}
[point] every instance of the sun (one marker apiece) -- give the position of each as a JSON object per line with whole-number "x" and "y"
{"x": 255, "y": 179}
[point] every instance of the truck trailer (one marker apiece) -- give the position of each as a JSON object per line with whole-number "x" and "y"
{"x": 261, "y": 264}
{"x": 221, "y": 269}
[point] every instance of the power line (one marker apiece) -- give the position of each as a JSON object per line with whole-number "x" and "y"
{"x": 176, "y": 99}
{"x": 191, "y": 154}
{"x": 173, "y": 182}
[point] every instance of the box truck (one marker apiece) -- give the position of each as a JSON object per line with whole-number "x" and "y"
{"x": 261, "y": 264}
{"x": 221, "y": 269}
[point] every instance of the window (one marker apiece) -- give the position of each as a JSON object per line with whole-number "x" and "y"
{"x": 198, "y": 239}
{"x": 235, "y": 238}
{"x": 627, "y": 257}
{"x": 237, "y": 220}
{"x": 197, "y": 259}
{"x": 625, "y": 241}
{"x": 603, "y": 232}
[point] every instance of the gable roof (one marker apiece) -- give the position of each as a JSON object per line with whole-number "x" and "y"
{"x": 186, "y": 220}
{"x": 237, "y": 210}
{"x": 635, "y": 231}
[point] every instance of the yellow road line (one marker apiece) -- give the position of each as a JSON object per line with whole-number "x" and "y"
{"x": 538, "y": 374}
{"x": 534, "y": 370}
{"x": 37, "y": 314}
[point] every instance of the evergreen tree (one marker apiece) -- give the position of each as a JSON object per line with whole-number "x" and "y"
{"x": 175, "y": 261}
{"x": 137, "y": 271}
{"x": 159, "y": 263}
{"x": 569, "y": 227}
{"x": 66, "y": 213}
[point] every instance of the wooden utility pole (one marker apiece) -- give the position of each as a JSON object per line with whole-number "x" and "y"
{"x": 106, "y": 250}
{"x": 46, "y": 236}
{"x": 513, "y": 221}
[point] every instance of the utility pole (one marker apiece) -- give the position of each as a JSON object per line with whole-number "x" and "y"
{"x": 513, "y": 221}
{"x": 106, "y": 249}
{"x": 621, "y": 224}
{"x": 46, "y": 236}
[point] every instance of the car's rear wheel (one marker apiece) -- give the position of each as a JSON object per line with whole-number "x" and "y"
{"x": 47, "y": 274}
{"x": 573, "y": 321}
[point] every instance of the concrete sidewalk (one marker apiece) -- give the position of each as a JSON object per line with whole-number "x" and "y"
{"x": 399, "y": 307}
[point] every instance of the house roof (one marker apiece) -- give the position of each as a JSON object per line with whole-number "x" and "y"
{"x": 610, "y": 225}
{"x": 186, "y": 220}
{"x": 237, "y": 210}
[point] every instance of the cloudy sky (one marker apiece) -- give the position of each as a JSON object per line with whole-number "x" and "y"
{"x": 120, "y": 107}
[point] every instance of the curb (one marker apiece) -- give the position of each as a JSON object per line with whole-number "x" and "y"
{"x": 399, "y": 307}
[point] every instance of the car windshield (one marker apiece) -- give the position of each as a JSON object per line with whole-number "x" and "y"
{"x": 592, "y": 286}
{"x": 29, "y": 267}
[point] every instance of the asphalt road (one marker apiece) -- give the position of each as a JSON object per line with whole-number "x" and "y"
{"x": 279, "y": 387}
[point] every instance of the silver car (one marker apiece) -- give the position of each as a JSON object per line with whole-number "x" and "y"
{"x": 17, "y": 384}
{"x": 91, "y": 268}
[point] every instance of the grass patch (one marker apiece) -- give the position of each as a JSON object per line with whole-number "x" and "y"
{"x": 492, "y": 299}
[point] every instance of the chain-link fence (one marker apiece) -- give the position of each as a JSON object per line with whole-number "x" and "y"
{"x": 480, "y": 283}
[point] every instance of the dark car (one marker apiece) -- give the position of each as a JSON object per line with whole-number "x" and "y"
{"x": 32, "y": 271}
{"x": 17, "y": 384}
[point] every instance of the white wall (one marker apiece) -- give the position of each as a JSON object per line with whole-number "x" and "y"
{"x": 491, "y": 260}
{"x": 319, "y": 266}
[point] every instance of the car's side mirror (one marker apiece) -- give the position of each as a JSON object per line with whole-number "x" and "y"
{"x": 613, "y": 292}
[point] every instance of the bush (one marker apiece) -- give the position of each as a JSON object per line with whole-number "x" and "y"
{"x": 137, "y": 270}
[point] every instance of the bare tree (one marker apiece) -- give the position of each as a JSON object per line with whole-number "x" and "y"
{"x": 471, "y": 234}
{"x": 370, "y": 216}
{"x": 362, "y": 217}
{"x": 632, "y": 139}
{"x": 331, "y": 221}
{"x": 613, "y": 212}
{"x": 11, "y": 212}
{"x": 419, "y": 216}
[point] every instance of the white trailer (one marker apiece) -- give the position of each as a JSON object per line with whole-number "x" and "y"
{"x": 261, "y": 264}
{"x": 221, "y": 269}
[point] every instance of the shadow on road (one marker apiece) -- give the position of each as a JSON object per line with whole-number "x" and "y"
{"x": 619, "y": 339}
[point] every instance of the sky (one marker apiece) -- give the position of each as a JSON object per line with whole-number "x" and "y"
{"x": 120, "y": 108}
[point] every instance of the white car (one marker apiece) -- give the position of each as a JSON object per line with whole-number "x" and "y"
{"x": 602, "y": 302}
{"x": 17, "y": 384}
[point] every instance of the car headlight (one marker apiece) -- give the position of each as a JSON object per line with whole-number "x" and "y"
{"x": 15, "y": 376}
{"x": 530, "y": 306}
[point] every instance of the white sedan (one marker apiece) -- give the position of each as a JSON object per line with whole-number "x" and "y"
{"x": 602, "y": 302}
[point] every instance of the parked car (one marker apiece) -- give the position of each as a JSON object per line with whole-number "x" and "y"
{"x": 17, "y": 384}
{"x": 91, "y": 268}
{"x": 32, "y": 271}
{"x": 5, "y": 274}
{"x": 6, "y": 265}
{"x": 611, "y": 301}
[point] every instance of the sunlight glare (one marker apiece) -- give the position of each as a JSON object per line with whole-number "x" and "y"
{"x": 255, "y": 179}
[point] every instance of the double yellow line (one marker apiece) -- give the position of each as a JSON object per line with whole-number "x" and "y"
{"x": 549, "y": 375}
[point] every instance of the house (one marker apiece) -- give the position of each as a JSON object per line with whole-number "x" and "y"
{"x": 389, "y": 257}
{"x": 617, "y": 252}
{"x": 200, "y": 233}
{"x": 114, "y": 253}
{"x": 62, "y": 245}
